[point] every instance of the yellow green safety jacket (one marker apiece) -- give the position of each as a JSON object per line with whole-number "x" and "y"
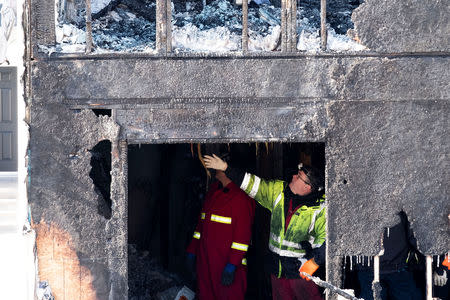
{"x": 306, "y": 224}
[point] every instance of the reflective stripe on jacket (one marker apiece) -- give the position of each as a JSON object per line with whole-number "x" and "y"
{"x": 306, "y": 224}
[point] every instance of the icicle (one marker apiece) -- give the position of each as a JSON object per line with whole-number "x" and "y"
{"x": 351, "y": 263}
{"x": 368, "y": 261}
{"x": 388, "y": 232}
{"x": 437, "y": 261}
{"x": 345, "y": 262}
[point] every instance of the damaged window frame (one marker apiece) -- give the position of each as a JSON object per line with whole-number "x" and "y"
{"x": 164, "y": 26}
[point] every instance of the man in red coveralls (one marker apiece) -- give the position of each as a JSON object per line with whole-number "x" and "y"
{"x": 221, "y": 241}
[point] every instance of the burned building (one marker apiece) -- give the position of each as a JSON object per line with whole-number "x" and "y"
{"x": 110, "y": 160}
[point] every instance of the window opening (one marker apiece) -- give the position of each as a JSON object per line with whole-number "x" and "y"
{"x": 206, "y": 26}
{"x": 117, "y": 26}
{"x": 166, "y": 191}
{"x": 102, "y": 112}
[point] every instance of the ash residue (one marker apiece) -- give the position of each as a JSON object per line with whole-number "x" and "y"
{"x": 146, "y": 276}
{"x": 123, "y": 29}
{"x": 129, "y": 25}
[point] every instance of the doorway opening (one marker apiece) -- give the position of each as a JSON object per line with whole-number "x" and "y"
{"x": 167, "y": 185}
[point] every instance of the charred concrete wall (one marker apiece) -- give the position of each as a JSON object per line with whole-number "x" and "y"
{"x": 383, "y": 118}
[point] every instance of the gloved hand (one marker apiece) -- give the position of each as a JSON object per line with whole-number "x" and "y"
{"x": 308, "y": 267}
{"x": 215, "y": 162}
{"x": 440, "y": 279}
{"x": 190, "y": 263}
{"x": 228, "y": 274}
{"x": 308, "y": 249}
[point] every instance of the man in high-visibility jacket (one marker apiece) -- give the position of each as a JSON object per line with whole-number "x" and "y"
{"x": 220, "y": 241}
{"x": 297, "y": 226}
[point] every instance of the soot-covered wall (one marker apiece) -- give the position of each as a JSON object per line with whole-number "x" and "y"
{"x": 383, "y": 116}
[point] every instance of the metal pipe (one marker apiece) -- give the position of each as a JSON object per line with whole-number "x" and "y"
{"x": 89, "y": 42}
{"x": 244, "y": 26}
{"x": 330, "y": 287}
{"x": 429, "y": 285}
{"x": 376, "y": 268}
{"x": 323, "y": 25}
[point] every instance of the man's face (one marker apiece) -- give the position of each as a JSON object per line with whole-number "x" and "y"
{"x": 300, "y": 184}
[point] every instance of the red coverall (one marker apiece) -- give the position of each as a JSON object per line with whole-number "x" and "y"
{"x": 222, "y": 236}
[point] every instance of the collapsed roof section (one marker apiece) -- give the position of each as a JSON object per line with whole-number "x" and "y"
{"x": 199, "y": 26}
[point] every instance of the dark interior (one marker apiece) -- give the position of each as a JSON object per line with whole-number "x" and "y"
{"x": 166, "y": 188}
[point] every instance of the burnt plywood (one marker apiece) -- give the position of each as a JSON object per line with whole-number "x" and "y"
{"x": 62, "y": 195}
{"x": 403, "y": 26}
{"x": 383, "y": 157}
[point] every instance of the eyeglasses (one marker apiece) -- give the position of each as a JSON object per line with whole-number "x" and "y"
{"x": 299, "y": 177}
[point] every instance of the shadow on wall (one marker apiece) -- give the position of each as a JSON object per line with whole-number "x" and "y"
{"x": 101, "y": 176}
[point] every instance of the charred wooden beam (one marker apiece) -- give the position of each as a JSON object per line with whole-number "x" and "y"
{"x": 245, "y": 26}
{"x": 323, "y": 25}
{"x": 89, "y": 42}
{"x": 293, "y": 26}
{"x": 288, "y": 25}
{"x": 163, "y": 26}
{"x": 169, "y": 26}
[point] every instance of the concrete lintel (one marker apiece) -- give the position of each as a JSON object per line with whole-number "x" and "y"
{"x": 351, "y": 78}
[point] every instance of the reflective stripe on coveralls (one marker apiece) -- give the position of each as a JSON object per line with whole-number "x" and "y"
{"x": 220, "y": 219}
{"x": 203, "y": 215}
{"x": 311, "y": 226}
{"x": 239, "y": 246}
{"x": 253, "y": 181}
{"x": 197, "y": 235}
{"x": 285, "y": 243}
